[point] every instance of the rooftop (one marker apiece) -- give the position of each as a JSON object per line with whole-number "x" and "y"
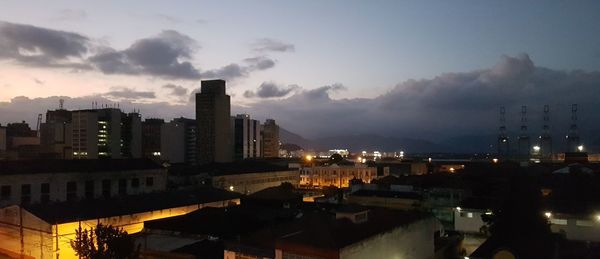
{"x": 63, "y": 212}
{"x": 75, "y": 165}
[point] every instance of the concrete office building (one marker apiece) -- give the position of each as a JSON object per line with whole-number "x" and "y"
{"x": 246, "y": 137}
{"x": 214, "y": 123}
{"x": 106, "y": 133}
{"x": 56, "y": 135}
{"x": 270, "y": 138}
{"x": 178, "y": 141}
{"x": 151, "y": 137}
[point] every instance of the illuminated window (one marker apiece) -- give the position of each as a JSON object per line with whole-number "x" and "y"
{"x": 469, "y": 215}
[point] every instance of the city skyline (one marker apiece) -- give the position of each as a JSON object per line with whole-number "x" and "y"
{"x": 274, "y": 73}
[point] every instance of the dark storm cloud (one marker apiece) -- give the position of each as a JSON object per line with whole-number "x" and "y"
{"x": 448, "y": 105}
{"x": 35, "y": 46}
{"x": 176, "y": 89}
{"x": 451, "y": 104}
{"x": 267, "y": 44}
{"x": 161, "y": 56}
{"x": 271, "y": 89}
{"x": 128, "y": 93}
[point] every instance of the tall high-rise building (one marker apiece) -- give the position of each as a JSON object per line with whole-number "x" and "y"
{"x": 151, "y": 133}
{"x": 214, "y": 123}
{"x": 246, "y": 137}
{"x": 178, "y": 141}
{"x": 86, "y": 131}
{"x": 270, "y": 139}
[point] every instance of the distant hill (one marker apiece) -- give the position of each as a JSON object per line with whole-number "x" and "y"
{"x": 375, "y": 142}
{"x": 287, "y": 137}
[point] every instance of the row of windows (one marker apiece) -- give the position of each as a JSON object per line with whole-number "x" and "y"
{"x": 334, "y": 172}
{"x": 269, "y": 180}
{"x": 71, "y": 189}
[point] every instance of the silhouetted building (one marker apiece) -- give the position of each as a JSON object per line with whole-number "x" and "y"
{"x": 214, "y": 123}
{"x": 2, "y": 141}
{"x": 246, "y": 137}
{"x": 21, "y": 141}
{"x": 151, "y": 137}
{"x": 56, "y": 135}
{"x": 178, "y": 141}
{"x": 270, "y": 138}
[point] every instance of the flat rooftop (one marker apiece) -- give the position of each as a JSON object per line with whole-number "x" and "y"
{"x": 75, "y": 166}
{"x": 63, "y": 212}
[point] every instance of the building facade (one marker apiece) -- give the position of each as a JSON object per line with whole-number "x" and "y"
{"x": 56, "y": 135}
{"x": 72, "y": 180}
{"x": 248, "y": 183}
{"x": 106, "y": 133}
{"x": 335, "y": 175}
{"x": 151, "y": 137}
{"x": 214, "y": 123}
{"x": 270, "y": 138}
{"x": 246, "y": 137}
{"x": 178, "y": 141}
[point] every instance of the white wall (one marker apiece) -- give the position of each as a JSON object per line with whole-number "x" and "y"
{"x": 468, "y": 220}
{"x": 414, "y": 241}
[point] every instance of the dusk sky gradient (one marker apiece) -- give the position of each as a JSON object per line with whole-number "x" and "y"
{"x": 353, "y": 54}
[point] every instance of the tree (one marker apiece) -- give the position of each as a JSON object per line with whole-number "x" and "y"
{"x": 103, "y": 242}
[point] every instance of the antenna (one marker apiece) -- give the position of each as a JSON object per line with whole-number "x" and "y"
{"x": 61, "y": 104}
{"x": 523, "y": 119}
{"x": 546, "y": 126}
{"x": 502, "y": 120}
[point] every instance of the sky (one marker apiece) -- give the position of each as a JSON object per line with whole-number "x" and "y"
{"x": 422, "y": 69}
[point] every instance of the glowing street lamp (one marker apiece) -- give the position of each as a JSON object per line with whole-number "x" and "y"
{"x": 580, "y": 148}
{"x": 548, "y": 214}
{"x": 309, "y": 158}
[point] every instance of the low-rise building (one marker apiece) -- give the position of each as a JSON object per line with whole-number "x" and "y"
{"x": 248, "y": 183}
{"x": 45, "y": 181}
{"x": 45, "y": 230}
{"x": 336, "y": 175}
{"x": 354, "y": 232}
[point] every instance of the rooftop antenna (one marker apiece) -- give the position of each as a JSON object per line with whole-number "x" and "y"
{"x": 573, "y": 135}
{"x": 523, "y": 140}
{"x": 503, "y": 145}
{"x": 61, "y": 104}
{"x": 545, "y": 140}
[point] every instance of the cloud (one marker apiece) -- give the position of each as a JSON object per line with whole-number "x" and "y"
{"x": 37, "y": 81}
{"x": 128, "y": 93}
{"x": 159, "y": 56}
{"x": 271, "y": 89}
{"x": 272, "y": 45}
{"x": 168, "y": 18}
{"x": 35, "y": 46}
{"x": 176, "y": 89}
{"x": 71, "y": 15}
{"x": 234, "y": 71}
{"x": 448, "y": 105}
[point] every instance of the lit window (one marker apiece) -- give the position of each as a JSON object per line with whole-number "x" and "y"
{"x": 469, "y": 215}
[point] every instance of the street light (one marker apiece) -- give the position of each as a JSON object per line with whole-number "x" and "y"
{"x": 309, "y": 158}
{"x": 580, "y": 148}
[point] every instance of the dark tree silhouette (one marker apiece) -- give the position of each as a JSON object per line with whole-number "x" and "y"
{"x": 521, "y": 213}
{"x": 335, "y": 158}
{"x": 103, "y": 242}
